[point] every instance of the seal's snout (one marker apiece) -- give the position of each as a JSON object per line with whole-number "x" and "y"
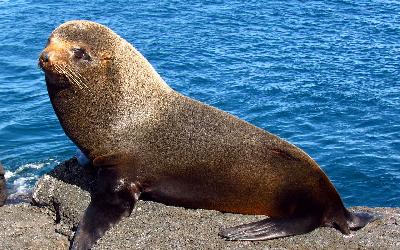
{"x": 53, "y": 52}
{"x": 45, "y": 56}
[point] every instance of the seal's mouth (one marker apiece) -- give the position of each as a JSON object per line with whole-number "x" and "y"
{"x": 56, "y": 79}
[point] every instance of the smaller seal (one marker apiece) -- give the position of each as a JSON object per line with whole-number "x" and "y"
{"x": 3, "y": 188}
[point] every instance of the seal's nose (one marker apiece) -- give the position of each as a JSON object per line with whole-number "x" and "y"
{"x": 45, "y": 56}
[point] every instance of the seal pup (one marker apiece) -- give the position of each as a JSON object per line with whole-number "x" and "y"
{"x": 148, "y": 141}
{"x": 3, "y": 187}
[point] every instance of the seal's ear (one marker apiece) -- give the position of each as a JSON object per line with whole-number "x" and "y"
{"x": 106, "y": 56}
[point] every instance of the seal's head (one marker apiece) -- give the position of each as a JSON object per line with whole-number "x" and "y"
{"x": 75, "y": 52}
{"x": 86, "y": 56}
{"x": 94, "y": 78}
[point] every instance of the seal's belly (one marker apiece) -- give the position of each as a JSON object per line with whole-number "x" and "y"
{"x": 215, "y": 194}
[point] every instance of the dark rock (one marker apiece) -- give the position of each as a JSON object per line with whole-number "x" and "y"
{"x": 3, "y": 187}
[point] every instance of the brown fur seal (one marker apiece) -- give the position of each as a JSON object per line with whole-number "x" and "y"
{"x": 149, "y": 141}
{"x": 3, "y": 187}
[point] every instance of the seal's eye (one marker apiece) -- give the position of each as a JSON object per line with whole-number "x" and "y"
{"x": 80, "y": 53}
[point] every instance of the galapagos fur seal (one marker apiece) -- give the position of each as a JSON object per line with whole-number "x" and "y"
{"x": 3, "y": 187}
{"x": 148, "y": 141}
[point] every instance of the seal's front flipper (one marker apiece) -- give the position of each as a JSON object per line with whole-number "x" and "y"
{"x": 112, "y": 201}
{"x": 98, "y": 218}
{"x": 271, "y": 228}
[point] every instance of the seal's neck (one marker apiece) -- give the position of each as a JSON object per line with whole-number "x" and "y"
{"x": 137, "y": 75}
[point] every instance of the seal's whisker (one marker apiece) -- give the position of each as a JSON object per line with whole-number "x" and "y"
{"x": 58, "y": 69}
{"x": 79, "y": 77}
{"x": 68, "y": 75}
{"x": 83, "y": 79}
{"x": 72, "y": 77}
{"x": 74, "y": 74}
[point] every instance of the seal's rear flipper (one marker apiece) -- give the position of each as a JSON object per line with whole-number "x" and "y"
{"x": 358, "y": 220}
{"x": 271, "y": 228}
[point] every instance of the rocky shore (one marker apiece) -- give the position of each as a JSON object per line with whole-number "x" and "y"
{"x": 61, "y": 196}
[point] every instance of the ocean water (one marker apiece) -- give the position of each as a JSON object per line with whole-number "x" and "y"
{"x": 324, "y": 75}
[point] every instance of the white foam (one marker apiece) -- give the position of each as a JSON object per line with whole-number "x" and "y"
{"x": 8, "y": 174}
{"x": 22, "y": 180}
{"x": 22, "y": 185}
{"x": 29, "y": 166}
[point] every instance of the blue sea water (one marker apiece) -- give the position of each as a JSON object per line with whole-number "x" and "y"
{"x": 324, "y": 75}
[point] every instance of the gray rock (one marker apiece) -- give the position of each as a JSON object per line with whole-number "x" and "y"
{"x": 65, "y": 192}
{"x": 24, "y": 226}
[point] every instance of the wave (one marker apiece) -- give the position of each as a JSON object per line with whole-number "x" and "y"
{"x": 21, "y": 180}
